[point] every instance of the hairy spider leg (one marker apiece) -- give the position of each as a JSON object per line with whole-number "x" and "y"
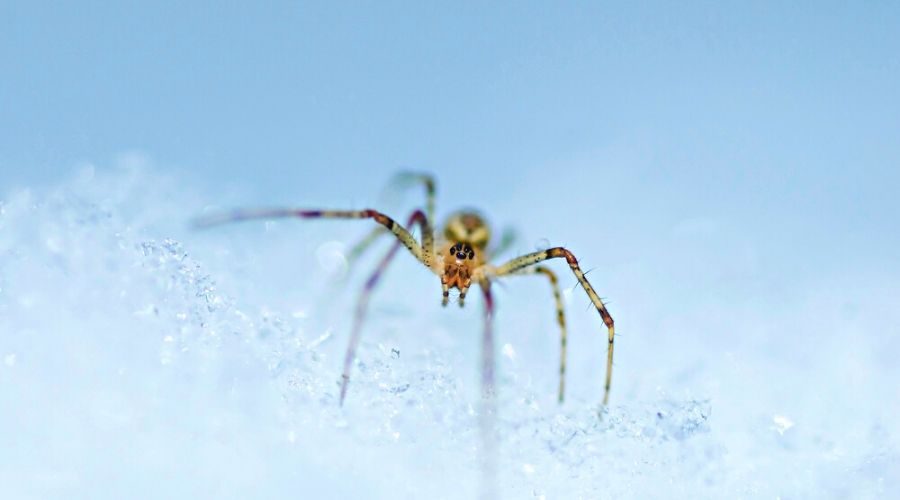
{"x": 424, "y": 254}
{"x": 402, "y": 180}
{"x": 362, "y": 303}
{"x": 560, "y": 318}
{"x": 556, "y": 253}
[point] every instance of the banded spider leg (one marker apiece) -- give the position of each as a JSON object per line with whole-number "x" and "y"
{"x": 524, "y": 261}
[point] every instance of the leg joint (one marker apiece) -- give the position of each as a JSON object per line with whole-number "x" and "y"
{"x": 558, "y": 252}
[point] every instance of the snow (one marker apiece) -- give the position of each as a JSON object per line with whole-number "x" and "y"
{"x": 141, "y": 359}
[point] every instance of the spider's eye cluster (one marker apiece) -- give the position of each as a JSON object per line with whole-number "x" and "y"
{"x": 462, "y": 251}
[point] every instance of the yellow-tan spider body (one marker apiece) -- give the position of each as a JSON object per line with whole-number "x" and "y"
{"x": 460, "y": 258}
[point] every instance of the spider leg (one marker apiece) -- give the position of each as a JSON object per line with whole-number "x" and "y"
{"x": 487, "y": 346}
{"x": 560, "y": 318}
{"x": 423, "y": 253}
{"x": 357, "y": 250}
{"x": 487, "y": 415}
{"x": 402, "y": 180}
{"x": 427, "y": 180}
{"x": 362, "y": 304}
{"x": 462, "y": 296}
{"x": 524, "y": 261}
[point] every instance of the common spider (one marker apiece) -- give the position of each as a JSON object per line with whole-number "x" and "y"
{"x": 459, "y": 256}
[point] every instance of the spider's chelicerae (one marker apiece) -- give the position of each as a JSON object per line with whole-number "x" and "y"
{"x": 460, "y": 256}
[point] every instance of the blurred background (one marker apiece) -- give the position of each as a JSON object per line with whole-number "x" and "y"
{"x": 777, "y": 123}
{"x": 728, "y": 171}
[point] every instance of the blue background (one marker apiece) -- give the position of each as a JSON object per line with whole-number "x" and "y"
{"x": 784, "y": 115}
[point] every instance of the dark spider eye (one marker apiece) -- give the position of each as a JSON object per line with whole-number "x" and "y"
{"x": 471, "y": 255}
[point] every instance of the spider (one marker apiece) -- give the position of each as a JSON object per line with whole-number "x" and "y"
{"x": 459, "y": 256}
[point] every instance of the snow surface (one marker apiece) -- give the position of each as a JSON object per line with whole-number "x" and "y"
{"x": 140, "y": 359}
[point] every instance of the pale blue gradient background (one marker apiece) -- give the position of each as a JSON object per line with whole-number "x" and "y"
{"x": 619, "y": 119}
{"x": 729, "y": 171}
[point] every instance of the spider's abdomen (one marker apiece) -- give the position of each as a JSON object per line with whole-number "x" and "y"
{"x": 467, "y": 227}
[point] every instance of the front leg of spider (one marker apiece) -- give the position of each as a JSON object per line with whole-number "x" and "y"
{"x": 401, "y": 181}
{"x": 487, "y": 417}
{"x": 514, "y": 265}
{"x": 417, "y": 218}
{"x": 423, "y": 253}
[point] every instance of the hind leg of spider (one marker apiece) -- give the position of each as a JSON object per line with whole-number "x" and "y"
{"x": 423, "y": 253}
{"x": 402, "y": 180}
{"x": 418, "y": 217}
{"x": 560, "y": 318}
{"x": 556, "y": 253}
